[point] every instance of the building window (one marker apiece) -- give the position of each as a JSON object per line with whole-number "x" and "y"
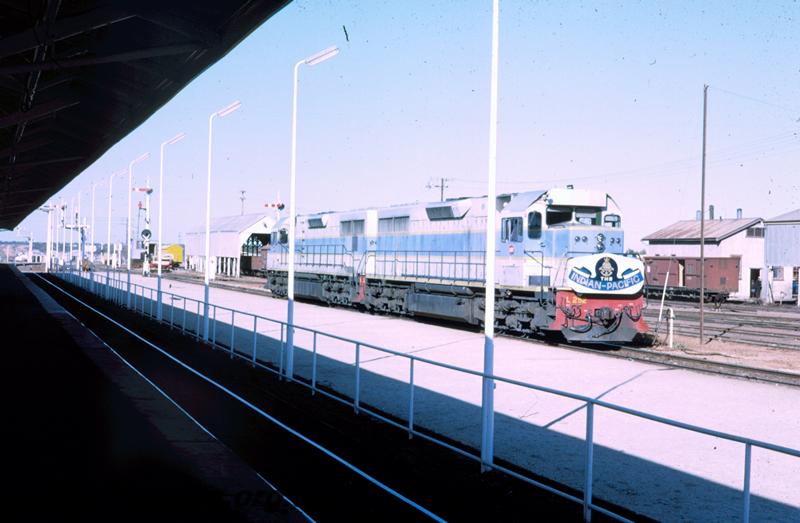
{"x": 777, "y": 273}
{"x": 511, "y": 230}
{"x": 755, "y": 232}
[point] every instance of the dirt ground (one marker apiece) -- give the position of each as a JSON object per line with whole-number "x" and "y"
{"x": 787, "y": 360}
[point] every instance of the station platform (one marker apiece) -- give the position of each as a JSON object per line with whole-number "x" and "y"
{"x": 654, "y": 470}
{"x": 86, "y": 437}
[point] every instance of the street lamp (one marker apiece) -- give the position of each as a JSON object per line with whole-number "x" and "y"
{"x": 487, "y": 396}
{"x": 225, "y": 111}
{"x": 70, "y": 217}
{"x": 314, "y": 59}
{"x": 141, "y": 158}
{"x": 108, "y": 237}
{"x": 176, "y": 138}
{"x": 94, "y": 186}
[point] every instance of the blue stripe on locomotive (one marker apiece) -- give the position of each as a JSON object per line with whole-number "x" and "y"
{"x": 557, "y": 243}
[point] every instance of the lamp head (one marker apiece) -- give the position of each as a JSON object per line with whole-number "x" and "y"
{"x": 225, "y": 111}
{"x": 321, "y": 56}
{"x": 177, "y": 138}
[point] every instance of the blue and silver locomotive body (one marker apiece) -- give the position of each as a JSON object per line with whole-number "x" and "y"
{"x": 559, "y": 263}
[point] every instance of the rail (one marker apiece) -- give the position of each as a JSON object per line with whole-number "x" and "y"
{"x": 116, "y": 290}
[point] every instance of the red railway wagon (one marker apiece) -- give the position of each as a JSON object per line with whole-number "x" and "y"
{"x": 721, "y": 276}
{"x": 256, "y": 265}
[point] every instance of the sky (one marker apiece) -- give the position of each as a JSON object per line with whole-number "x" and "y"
{"x": 601, "y": 95}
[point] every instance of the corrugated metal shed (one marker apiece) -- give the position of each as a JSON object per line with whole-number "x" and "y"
{"x": 688, "y": 231}
{"x": 791, "y": 216}
{"x": 782, "y": 240}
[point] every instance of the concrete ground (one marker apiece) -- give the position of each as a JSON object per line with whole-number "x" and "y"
{"x": 659, "y": 471}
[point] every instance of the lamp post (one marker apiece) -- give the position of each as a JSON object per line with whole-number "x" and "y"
{"x": 49, "y": 231}
{"x": 60, "y": 231}
{"x": 487, "y": 401}
{"x": 314, "y": 59}
{"x": 70, "y": 217}
{"x": 94, "y": 186}
{"x": 225, "y": 111}
{"x": 141, "y": 158}
{"x": 171, "y": 141}
{"x": 77, "y": 224}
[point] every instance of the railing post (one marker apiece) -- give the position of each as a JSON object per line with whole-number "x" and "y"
{"x": 280, "y": 355}
{"x": 214, "y": 326}
{"x": 233, "y": 330}
{"x": 411, "y": 398}
{"x": 255, "y": 337}
{"x": 358, "y": 377}
{"x": 183, "y": 323}
{"x": 588, "y": 468}
{"x": 197, "y": 325}
{"x": 746, "y": 490}
{"x": 314, "y": 365}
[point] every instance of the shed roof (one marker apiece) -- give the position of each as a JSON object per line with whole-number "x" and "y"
{"x": 688, "y": 231}
{"x": 791, "y": 216}
{"x": 231, "y": 223}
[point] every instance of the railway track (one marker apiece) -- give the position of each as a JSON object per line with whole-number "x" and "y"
{"x": 768, "y": 330}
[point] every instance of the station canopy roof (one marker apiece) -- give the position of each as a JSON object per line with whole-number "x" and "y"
{"x": 77, "y": 76}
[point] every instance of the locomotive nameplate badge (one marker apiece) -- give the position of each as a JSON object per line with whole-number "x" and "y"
{"x": 605, "y": 274}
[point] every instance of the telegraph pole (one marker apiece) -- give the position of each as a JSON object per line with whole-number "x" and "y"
{"x": 442, "y": 186}
{"x": 703, "y": 218}
{"x": 243, "y": 198}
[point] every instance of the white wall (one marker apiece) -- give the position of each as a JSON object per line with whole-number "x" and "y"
{"x": 751, "y": 251}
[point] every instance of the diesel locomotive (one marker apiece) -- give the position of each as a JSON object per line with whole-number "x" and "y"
{"x": 561, "y": 265}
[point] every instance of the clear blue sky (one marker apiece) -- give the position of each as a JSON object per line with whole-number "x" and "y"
{"x": 601, "y": 95}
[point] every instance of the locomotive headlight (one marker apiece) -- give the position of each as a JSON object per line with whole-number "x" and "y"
{"x": 577, "y": 239}
{"x": 601, "y": 246}
{"x": 585, "y": 239}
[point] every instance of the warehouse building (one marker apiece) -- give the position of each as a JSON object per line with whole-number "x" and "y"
{"x": 232, "y": 239}
{"x": 740, "y": 239}
{"x": 782, "y": 255}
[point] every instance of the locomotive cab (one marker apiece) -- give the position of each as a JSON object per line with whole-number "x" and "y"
{"x": 567, "y": 247}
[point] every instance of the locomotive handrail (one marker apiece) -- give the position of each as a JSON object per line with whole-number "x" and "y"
{"x": 473, "y": 260}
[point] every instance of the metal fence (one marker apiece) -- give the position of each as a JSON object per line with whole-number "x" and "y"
{"x": 185, "y": 314}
